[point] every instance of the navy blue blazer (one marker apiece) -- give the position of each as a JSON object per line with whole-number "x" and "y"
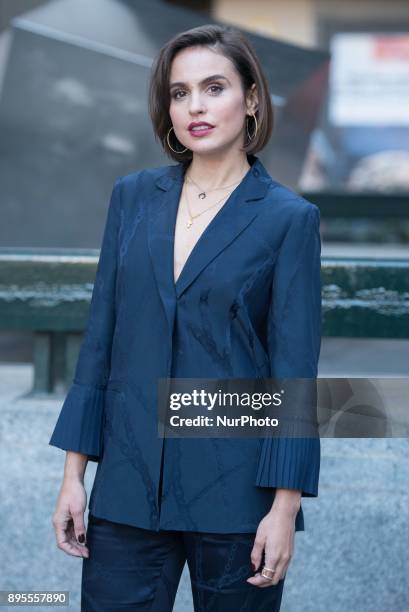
{"x": 247, "y": 304}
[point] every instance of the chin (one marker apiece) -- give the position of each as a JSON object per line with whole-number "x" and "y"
{"x": 209, "y": 147}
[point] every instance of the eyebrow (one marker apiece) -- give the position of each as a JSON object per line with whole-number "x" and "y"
{"x": 213, "y": 77}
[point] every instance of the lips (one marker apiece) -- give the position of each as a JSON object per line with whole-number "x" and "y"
{"x": 200, "y": 126}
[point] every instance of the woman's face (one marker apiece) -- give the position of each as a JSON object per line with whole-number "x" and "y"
{"x": 205, "y": 87}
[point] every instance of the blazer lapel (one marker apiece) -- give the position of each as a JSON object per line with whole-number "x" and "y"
{"x": 162, "y": 212}
{"x": 232, "y": 219}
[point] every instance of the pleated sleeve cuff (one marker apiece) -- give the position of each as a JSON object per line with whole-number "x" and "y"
{"x": 79, "y": 427}
{"x": 290, "y": 463}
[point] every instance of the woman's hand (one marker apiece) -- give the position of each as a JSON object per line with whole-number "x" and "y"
{"x": 275, "y": 536}
{"x": 68, "y": 518}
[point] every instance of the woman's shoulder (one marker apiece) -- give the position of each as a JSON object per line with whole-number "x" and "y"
{"x": 139, "y": 187}
{"x": 146, "y": 176}
{"x": 282, "y": 199}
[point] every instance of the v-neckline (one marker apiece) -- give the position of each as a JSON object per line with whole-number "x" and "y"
{"x": 207, "y": 228}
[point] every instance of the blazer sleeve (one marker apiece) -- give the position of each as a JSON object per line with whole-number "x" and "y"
{"x": 79, "y": 426}
{"x": 294, "y": 341}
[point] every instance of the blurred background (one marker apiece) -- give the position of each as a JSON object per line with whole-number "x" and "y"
{"x": 73, "y": 117}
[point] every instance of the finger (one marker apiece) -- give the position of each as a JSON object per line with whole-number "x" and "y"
{"x": 72, "y": 539}
{"x": 269, "y": 562}
{"x": 284, "y": 570}
{"x": 257, "y": 552}
{"x": 71, "y": 549}
{"x": 274, "y": 562}
{"x": 79, "y": 526}
{"x": 64, "y": 540}
{"x": 260, "y": 581}
{"x": 64, "y": 533}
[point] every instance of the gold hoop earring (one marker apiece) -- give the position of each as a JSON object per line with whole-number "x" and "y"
{"x": 170, "y": 146}
{"x": 247, "y": 128}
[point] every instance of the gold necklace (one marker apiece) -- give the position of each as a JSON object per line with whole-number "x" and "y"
{"x": 202, "y": 193}
{"x": 192, "y": 217}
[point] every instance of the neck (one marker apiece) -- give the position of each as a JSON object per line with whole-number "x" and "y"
{"x": 211, "y": 171}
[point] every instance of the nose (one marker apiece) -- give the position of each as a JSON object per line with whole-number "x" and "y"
{"x": 196, "y": 104}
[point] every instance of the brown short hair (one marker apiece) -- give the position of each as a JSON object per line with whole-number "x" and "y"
{"x": 234, "y": 45}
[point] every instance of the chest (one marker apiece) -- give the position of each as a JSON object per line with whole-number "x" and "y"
{"x": 189, "y": 228}
{"x": 229, "y": 249}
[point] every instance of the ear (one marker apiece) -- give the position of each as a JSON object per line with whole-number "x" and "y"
{"x": 252, "y": 100}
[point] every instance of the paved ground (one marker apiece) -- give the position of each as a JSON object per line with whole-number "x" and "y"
{"x": 353, "y": 554}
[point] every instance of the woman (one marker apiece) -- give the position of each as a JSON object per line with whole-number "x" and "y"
{"x": 208, "y": 268}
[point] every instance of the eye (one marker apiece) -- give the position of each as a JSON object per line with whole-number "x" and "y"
{"x": 218, "y": 87}
{"x": 177, "y": 91}
{"x": 215, "y": 90}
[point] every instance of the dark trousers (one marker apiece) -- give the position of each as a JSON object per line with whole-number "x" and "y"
{"x": 133, "y": 569}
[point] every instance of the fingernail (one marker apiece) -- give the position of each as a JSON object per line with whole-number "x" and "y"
{"x": 81, "y": 538}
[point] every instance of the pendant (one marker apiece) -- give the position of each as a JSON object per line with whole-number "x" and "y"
{"x": 189, "y": 223}
{"x": 202, "y": 195}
